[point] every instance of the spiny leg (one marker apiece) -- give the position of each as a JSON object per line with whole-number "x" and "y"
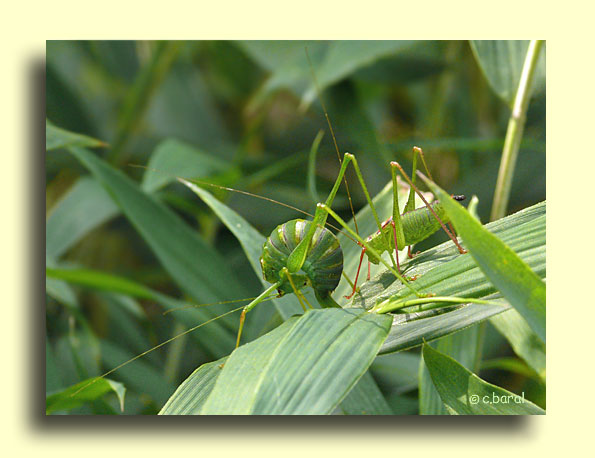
{"x": 417, "y": 150}
{"x": 359, "y": 266}
{"x": 410, "y": 205}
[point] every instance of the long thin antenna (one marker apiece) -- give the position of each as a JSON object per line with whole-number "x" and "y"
{"x": 196, "y": 306}
{"x": 165, "y": 342}
{"x": 246, "y": 193}
{"x": 330, "y": 126}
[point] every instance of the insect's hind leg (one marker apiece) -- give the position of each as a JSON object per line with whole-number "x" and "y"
{"x": 429, "y": 207}
{"x": 359, "y": 266}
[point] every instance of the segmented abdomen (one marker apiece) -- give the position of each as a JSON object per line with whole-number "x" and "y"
{"x": 323, "y": 265}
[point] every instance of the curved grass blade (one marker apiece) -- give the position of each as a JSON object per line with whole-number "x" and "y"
{"x": 68, "y": 400}
{"x": 464, "y": 393}
{"x": 56, "y": 138}
{"x": 520, "y": 285}
{"x": 250, "y": 239}
{"x": 173, "y": 158}
{"x": 409, "y": 331}
{"x": 462, "y": 347}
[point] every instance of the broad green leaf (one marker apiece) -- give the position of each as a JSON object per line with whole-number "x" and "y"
{"x": 172, "y": 159}
{"x": 194, "y": 391}
{"x": 186, "y": 107}
{"x": 520, "y": 285}
{"x": 128, "y": 325}
{"x": 403, "y": 404}
{"x": 56, "y": 138}
{"x": 464, "y": 393}
{"x": 100, "y": 280}
{"x": 94, "y": 388}
{"x": 306, "y": 367}
{"x": 271, "y": 55}
{"x": 501, "y": 61}
{"x": 85, "y": 206}
{"x": 190, "y": 396}
{"x": 61, "y": 292}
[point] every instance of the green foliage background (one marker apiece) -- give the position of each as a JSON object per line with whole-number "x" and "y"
{"x": 249, "y": 112}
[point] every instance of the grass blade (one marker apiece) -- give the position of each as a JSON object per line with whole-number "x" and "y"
{"x": 64, "y": 400}
{"x": 56, "y": 138}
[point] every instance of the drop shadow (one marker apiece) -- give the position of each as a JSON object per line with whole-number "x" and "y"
{"x": 34, "y": 343}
